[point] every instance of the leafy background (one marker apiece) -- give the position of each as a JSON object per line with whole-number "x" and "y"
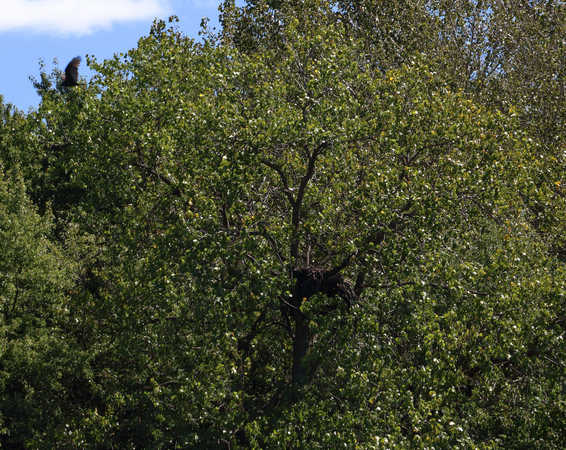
{"x": 330, "y": 224}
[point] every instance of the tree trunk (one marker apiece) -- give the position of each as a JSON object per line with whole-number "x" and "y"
{"x": 300, "y": 347}
{"x": 311, "y": 281}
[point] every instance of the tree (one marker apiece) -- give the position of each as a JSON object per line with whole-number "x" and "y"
{"x": 506, "y": 54}
{"x": 38, "y": 361}
{"x": 280, "y": 244}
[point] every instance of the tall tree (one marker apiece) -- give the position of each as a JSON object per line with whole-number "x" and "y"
{"x": 281, "y": 242}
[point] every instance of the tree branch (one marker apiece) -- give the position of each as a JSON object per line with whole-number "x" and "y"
{"x": 299, "y": 200}
{"x": 283, "y": 177}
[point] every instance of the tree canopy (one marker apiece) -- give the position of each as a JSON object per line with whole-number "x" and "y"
{"x": 323, "y": 226}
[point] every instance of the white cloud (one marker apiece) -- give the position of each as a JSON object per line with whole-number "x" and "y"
{"x": 75, "y": 16}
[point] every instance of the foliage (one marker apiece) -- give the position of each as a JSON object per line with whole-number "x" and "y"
{"x": 271, "y": 239}
{"x": 38, "y": 363}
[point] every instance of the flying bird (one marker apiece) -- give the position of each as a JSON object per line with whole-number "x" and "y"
{"x": 71, "y": 76}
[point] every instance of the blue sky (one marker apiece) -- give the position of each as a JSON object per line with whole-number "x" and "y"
{"x": 31, "y": 30}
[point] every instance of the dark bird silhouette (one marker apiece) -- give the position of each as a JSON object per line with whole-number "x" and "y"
{"x": 71, "y": 76}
